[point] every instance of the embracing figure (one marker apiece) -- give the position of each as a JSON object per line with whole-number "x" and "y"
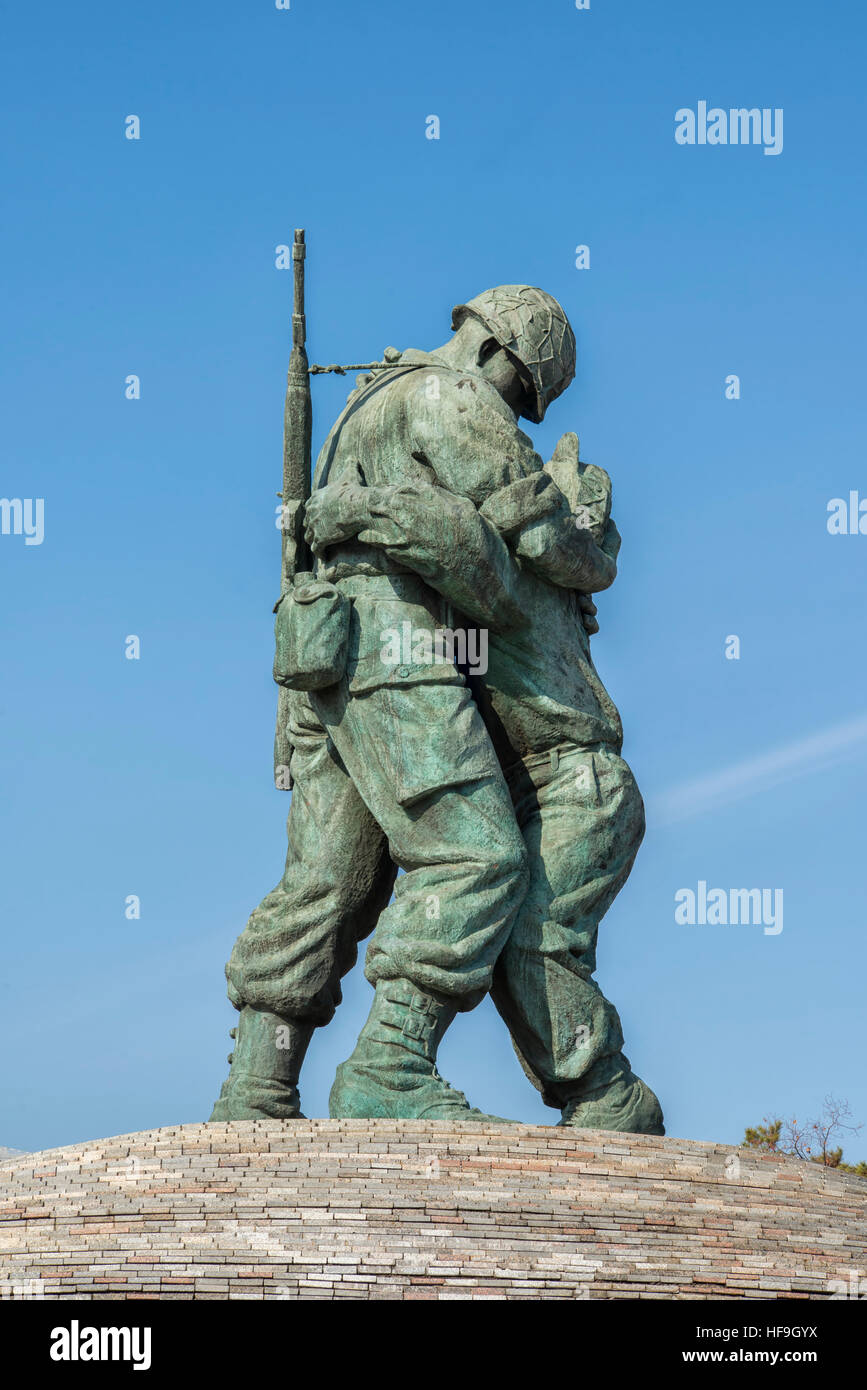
{"x": 499, "y": 792}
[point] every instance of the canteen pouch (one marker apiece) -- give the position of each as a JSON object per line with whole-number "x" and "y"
{"x": 311, "y": 633}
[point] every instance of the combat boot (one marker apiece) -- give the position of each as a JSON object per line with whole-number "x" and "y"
{"x": 625, "y": 1105}
{"x": 392, "y": 1073}
{"x": 263, "y": 1080}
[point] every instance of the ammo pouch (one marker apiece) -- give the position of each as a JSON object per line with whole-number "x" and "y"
{"x": 311, "y": 632}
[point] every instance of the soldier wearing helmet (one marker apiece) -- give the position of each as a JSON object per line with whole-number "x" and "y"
{"x": 394, "y": 764}
{"x": 531, "y": 327}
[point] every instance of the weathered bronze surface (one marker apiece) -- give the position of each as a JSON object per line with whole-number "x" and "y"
{"x": 445, "y": 718}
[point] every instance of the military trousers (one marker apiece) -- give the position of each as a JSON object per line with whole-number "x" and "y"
{"x": 464, "y": 860}
{"x": 582, "y": 818}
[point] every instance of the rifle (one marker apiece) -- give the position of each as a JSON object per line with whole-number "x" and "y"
{"x": 297, "y": 433}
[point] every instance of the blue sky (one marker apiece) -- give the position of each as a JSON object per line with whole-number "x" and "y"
{"x": 156, "y": 257}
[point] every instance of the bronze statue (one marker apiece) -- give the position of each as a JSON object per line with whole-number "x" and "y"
{"x": 437, "y": 533}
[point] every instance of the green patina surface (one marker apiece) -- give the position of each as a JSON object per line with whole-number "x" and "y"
{"x": 485, "y": 764}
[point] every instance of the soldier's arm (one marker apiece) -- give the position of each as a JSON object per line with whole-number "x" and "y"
{"x": 560, "y": 546}
{"x": 426, "y": 529}
{"x": 473, "y": 447}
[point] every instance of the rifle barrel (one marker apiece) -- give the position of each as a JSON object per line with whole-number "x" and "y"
{"x": 297, "y": 434}
{"x": 297, "y": 427}
{"x": 316, "y": 370}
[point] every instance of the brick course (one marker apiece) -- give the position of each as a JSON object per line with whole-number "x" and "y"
{"x": 375, "y": 1209}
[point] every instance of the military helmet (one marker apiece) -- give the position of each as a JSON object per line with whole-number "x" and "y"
{"x": 530, "y": 325}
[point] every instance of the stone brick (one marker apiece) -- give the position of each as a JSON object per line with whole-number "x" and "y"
{"x": 333, "y": 1209}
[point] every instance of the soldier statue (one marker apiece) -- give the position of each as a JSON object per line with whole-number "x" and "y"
{"x": 500, "y": 795}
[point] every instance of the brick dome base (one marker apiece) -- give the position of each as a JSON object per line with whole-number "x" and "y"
{"x": 373, "y": 1209}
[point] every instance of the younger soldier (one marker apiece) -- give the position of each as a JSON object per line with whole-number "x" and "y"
{"x": 557, "y": 733}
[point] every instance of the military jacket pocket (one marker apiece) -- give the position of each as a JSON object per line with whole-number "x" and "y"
{"x": 433, "y": 738}
{"x": 428, "y": 729}
{"x": 393, "y": 642}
